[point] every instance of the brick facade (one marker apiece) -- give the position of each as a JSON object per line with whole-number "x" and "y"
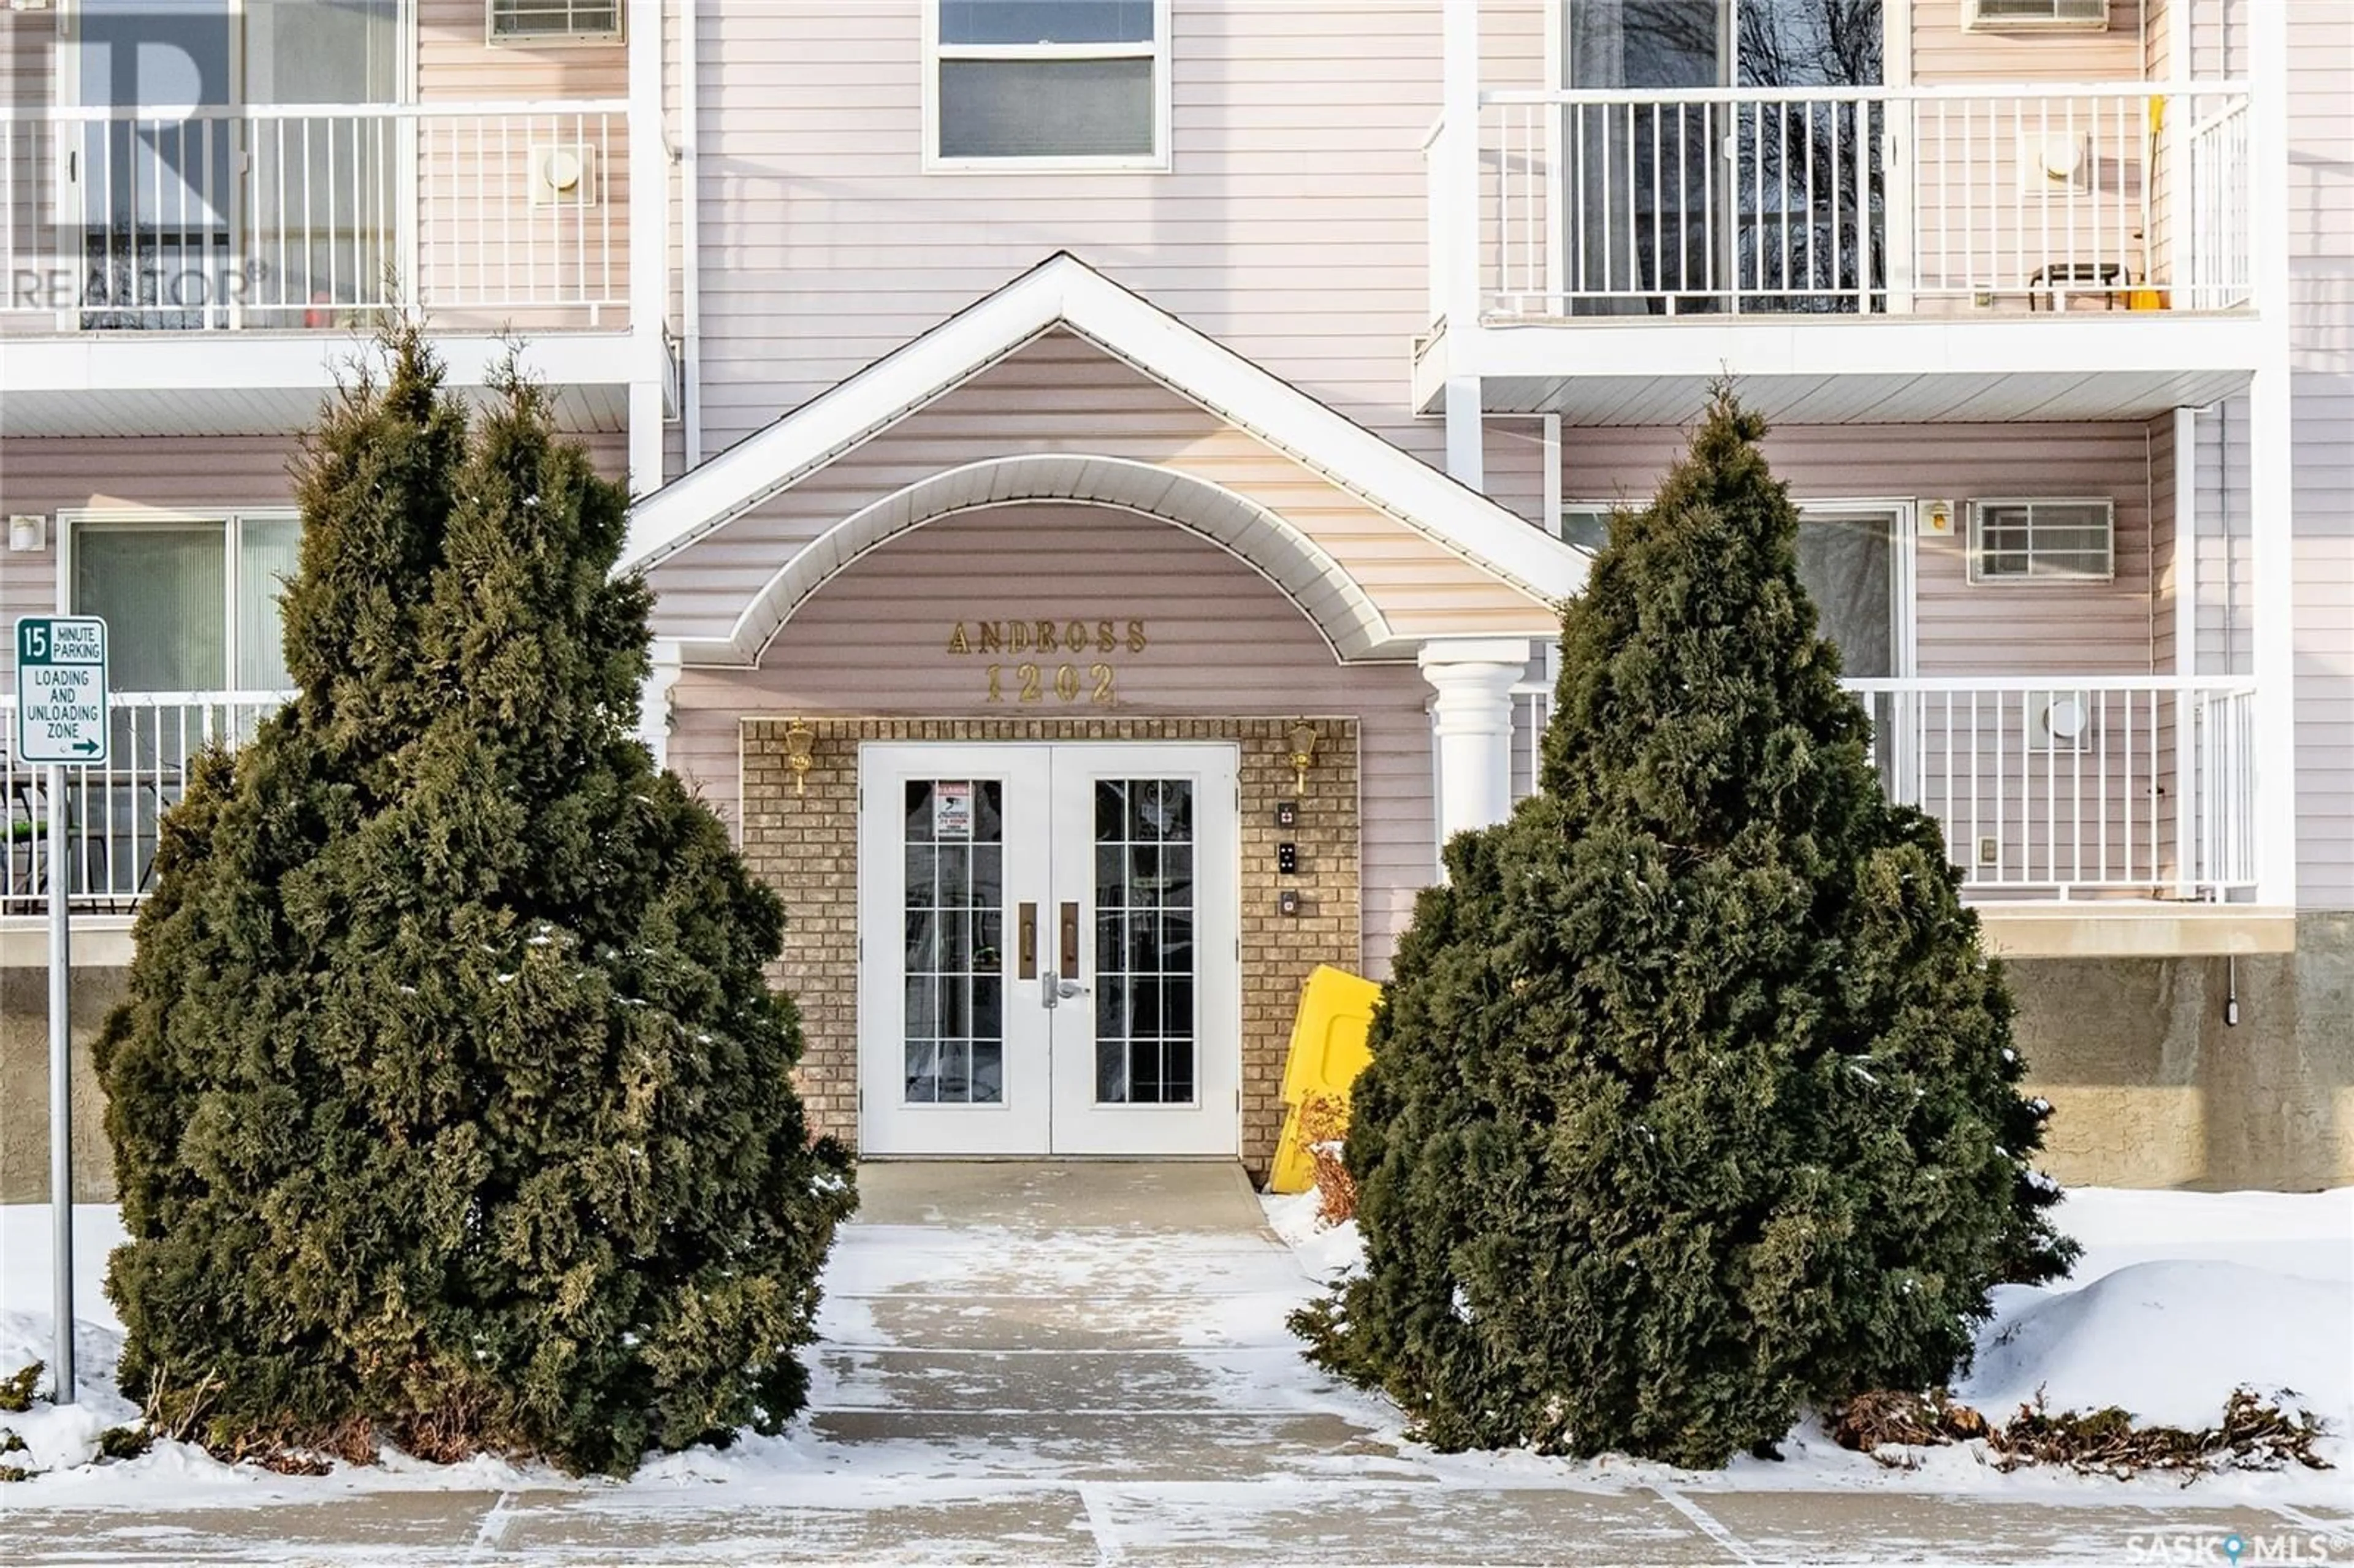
{"x": 805, "y": 845}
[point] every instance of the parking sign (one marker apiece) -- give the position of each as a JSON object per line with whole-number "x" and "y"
{"x": 61, "y": 689}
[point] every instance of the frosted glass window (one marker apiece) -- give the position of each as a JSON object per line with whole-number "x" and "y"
{"x": 266, "y": 551}
{"x": 1050, "y": 81}
{"x": 189, "y": 607}
{"x": 162, "y": 592}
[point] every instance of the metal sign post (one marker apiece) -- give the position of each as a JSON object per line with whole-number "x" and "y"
{"x": 61, "y": 721}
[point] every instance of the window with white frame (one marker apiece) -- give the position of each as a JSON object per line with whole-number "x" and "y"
{"x": 191, "y": 603}
{"x": 2061, "y": 540}
{"x": 1585, "y": 523}
{"x": 1048, "y": 83}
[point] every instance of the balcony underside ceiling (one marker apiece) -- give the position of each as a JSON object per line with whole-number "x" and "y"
{"x": 245, "y": 385}
{"x": 1866, "y": 399}
{"x": 1838, "y": 371}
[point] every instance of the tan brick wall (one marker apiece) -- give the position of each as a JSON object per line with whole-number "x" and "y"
{"x": 805, "y": 845}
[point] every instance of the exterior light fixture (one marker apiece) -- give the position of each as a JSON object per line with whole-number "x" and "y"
{"x": 799, "y": 743}
{"x": 1302, "y": 737}
{"x": 28, "y": 530}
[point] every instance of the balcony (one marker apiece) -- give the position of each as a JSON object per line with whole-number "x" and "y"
{"x": 2125, "y": 803}
{"x": 133, "y": 239}
{"x": 109, "y": 813}
{"x": 2077, "y": 251}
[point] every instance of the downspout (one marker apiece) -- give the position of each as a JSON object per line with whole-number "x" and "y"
{"x": 689, "y": 98}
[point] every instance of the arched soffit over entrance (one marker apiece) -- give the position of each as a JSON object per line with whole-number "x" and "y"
{"x": 1324, "y": 592}
{"x": 1516, "y": 571}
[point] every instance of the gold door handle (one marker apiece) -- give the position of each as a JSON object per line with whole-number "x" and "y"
{"x": 1070, "y": 949}
{"x": 1025, "y": 942}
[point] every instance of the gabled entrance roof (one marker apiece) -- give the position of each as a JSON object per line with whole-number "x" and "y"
{"x": 1064, "y": 294}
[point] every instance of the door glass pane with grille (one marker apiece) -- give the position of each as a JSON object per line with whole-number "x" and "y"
{"x": 954, "y": 1023}
{"x": 1146, "y": 1023}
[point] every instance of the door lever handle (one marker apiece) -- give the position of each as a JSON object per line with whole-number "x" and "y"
{"x": 1066, "y": 989}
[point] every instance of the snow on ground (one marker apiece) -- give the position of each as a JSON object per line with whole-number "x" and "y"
{"x": 2179, "y": 1298}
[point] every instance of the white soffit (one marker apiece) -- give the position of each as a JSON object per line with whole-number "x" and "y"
{"x": 1064, "y": 292}
{"x": 1351, "y": 622}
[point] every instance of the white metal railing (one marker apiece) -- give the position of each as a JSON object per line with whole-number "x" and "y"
{"x": 111, "y": 812}
{"x": 1531, "y": 711}
{"x": 310, "y": 215}
{"x": 2138, "y": 784}
{"x": 2080, "y": 783}
{"x": 1869, "y": 200}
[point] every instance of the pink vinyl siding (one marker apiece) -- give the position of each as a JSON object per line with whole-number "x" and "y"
{"x": 1220, "y": 643}
{"x": 473, "y": 196}
{"x": 194, "y": 474}
{"x": 1062, "y": 394}
{"x": 46, "y": 475}
{"x": 2321, "y": 349}
{"x": 1962, "y": 627}
{"x": 1291, "y": 225}
{"x": 1944, "y": 52}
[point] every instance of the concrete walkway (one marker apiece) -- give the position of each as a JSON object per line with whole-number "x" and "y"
{"x": 1086, "y": 1363}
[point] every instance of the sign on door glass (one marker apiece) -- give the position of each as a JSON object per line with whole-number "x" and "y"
{"x": 954, "y": 1025}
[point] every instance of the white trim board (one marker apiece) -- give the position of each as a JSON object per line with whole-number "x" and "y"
{"x": 1064, "y": 292}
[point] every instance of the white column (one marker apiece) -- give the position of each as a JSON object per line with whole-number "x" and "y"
{"x": 2271, "y": 458}
{"x": 653, "y": 700}
{"x": 648, "y": 375}
{"x": 1455, "y": 193}
{"x": 1466, "y": 433}
{"x": 1471, "y": 727}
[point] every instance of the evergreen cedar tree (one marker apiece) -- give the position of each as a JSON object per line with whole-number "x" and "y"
{"x": 450, "y": 1105}
{"x": 1693, "y": 1100}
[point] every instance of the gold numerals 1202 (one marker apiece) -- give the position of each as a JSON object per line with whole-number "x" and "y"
{"x": 1030, "y": 682}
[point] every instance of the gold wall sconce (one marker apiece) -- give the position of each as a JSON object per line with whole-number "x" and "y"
{"x": 1302, "y": 737}
{"x": 800, "y": 742}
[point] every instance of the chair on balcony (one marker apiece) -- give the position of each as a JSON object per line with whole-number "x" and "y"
{"x": 2110, "y": 278}
{"x": 25, "y": 816}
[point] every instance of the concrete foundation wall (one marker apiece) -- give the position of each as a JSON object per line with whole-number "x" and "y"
{"x": 25, "y": 1085}
{"x": 2150, "y": 1088}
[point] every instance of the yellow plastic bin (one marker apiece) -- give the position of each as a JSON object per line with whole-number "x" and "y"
{"x": 1328, "y": 1051}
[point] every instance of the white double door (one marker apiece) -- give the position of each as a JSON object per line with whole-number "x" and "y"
{"x": 1047, "y": 949}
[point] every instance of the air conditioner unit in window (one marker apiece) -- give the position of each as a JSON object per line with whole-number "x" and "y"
{"x": 553, "y": 21}
{"x": 2033, "y": 16}
{"x": 2041, "y": 540}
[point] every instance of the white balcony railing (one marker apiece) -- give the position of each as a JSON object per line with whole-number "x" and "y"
{"x": 111, "y": 812}
{"x": 2095, "y": 786}
{"x": 1941, "y": 200}
{"x": 293, "y": 216}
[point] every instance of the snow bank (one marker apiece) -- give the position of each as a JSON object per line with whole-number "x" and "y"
{"x": 1323, "y": 1251}
{"x": 2179, "y": 1298}
{"x": 58, "y": 1436}
{"x": 2169, "y": 1342}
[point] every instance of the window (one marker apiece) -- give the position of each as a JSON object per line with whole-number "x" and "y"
{"x": 1048, "y": 84}
{"x": 2042, "y": 541}
{"x": 191, "y": 603}
{"x": 555, "y": 21}
{"x": 1584, "y": 524}
{"x": 2003, "y": 16}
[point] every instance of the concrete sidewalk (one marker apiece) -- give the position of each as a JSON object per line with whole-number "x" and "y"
{"x": 1088, "y": 1364}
